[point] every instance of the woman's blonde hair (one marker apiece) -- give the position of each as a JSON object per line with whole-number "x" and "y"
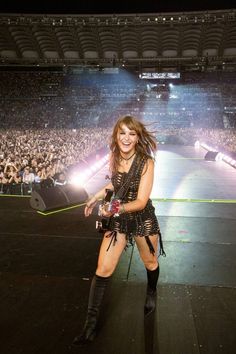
{"x": 146, "y": 146}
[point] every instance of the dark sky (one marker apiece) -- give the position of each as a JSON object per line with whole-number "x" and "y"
{"x": 111, "y": 6}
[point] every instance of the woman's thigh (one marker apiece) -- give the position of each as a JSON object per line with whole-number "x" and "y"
{"x": 150, "y": 260}
{"x": 109, "y": 256}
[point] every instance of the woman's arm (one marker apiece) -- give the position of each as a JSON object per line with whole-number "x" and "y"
{"x": 93, "y": 199}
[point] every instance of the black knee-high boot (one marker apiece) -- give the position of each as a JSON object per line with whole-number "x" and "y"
{"x": 96, "y": 294}
{"x": 150, "y": 302}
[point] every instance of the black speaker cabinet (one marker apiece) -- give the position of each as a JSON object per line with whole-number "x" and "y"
{"x": 57, "y": 197}
{"x": 211, "y": 155}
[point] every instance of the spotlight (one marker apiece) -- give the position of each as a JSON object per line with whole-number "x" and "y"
{"x": 211, "y": 155}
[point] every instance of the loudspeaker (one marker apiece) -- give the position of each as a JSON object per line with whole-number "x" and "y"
{"x": 211, "y": 155}
{"x": 57, "y": 197}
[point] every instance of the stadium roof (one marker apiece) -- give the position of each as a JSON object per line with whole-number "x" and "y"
{"x": 177, "y": 40}
{"x": 105, "y": 6}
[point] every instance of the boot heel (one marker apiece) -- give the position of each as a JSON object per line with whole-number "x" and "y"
{"x": 85, "y": 337}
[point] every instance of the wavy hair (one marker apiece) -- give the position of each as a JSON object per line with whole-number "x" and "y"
{"x": 146, "y": 146}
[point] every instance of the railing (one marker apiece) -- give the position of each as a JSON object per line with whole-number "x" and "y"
{"x": 20, "y": 188}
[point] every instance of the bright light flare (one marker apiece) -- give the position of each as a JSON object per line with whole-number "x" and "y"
{"x": 219, "y": 157}
{"x": 78, "y": 180}
{"x": 82, "y": 177}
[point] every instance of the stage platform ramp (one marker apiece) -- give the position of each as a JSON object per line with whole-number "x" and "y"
{"x": 47, "y": 262}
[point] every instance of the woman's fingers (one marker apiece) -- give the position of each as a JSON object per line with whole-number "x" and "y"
{"x": 88, "y": 210}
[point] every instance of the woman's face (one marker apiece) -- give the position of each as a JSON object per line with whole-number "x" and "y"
{"x": 127, "y": 140}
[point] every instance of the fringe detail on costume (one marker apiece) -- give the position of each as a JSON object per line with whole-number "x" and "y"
{"x": 151, "y": 248}
{"x": 162, "y": 251}
{"x": 113, "y": 236}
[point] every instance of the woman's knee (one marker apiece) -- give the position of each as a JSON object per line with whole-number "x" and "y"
{"x": 104, "y": 270}
{"x": 151, "y": 264}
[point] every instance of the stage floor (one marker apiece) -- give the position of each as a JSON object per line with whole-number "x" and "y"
{"x": 46, "y": 264}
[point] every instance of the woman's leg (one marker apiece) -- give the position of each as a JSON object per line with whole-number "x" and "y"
{"x": 107, "y": 262}
{"x": 150, "y": 260}
{"x": 109, "y": 255}
{"x": 152, "y": 267}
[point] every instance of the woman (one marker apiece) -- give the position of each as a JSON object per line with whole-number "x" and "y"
{"x": 132, "y": 149}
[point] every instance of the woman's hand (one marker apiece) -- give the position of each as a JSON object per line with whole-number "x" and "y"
{"x": 92, "y": 201}
{"x": 90, "y": 205}
{"x": 103, "y": 210}
{"x": 110, "y": 208}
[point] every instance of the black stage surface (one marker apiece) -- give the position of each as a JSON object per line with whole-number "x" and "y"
{"x": 46, "y": 263}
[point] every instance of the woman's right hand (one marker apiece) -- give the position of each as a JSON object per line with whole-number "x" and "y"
{"x": 89, "y": 206}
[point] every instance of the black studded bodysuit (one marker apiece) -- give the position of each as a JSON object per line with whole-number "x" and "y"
{"x": 141, "y": 223}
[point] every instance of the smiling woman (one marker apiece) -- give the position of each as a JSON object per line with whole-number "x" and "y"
{"x": 127, "y": 140}
{"x": 129, "y": 137}
{"x": 131, "y": 219}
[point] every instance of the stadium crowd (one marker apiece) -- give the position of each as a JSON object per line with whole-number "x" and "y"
{"x": 44, "y": 156}
{"x": 51, "y": 121}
